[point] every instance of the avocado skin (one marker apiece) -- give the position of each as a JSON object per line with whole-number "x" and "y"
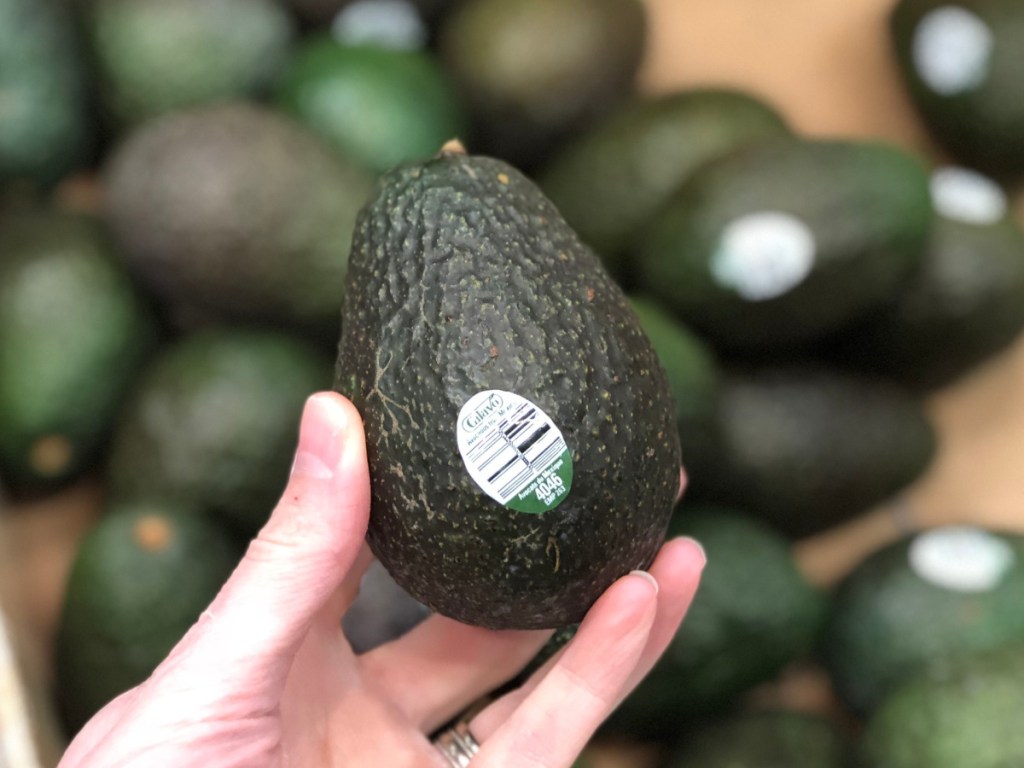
{"x": 964, "y": 304}
{"x": 694, "y": 378}
{"x": 157, "y": 56}
{"x": 887, "y": 622}
{"x": 74, "y": 334}
{"x": 464, "y": 278}
{"x": 213, "y": 421}
{"x": 46, "y": 129}
{"x": 127, "y": 606}
{"x": 771, "y": 739}
{"x": 980, "y": 125}
{"x": 754, "y": 613}
{"x": 234, "y": 211}
{"x": 611, "y": 181}
{"x": 378, "y": 106}
{"x": 866, "y": 205}
{"x": 534, "y": 71}
{"x": 958, "y": 713}
{"x": 806, "y": 447}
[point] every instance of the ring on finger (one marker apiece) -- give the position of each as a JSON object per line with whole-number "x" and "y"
{"x": 457, "y": 744}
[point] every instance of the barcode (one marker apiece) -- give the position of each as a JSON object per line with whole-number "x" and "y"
{"x": 515, "y": 450}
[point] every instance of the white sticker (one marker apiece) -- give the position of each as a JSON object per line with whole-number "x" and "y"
{"x": 951, "y": 50}
{"x": 514, "y": 451}
{"x": 388, "y": 23}
{"x": 763, "y": 255}
{"x": 967, "y": 196}
{"x": 961, "y": 558}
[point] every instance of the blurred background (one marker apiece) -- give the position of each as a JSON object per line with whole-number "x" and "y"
{"x": 814, "y": 207}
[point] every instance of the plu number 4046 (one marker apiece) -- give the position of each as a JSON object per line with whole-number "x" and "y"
{"x": 550, "y": 488}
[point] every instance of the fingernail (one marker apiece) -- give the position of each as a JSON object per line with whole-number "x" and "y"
{"x": 696, "y": 545}
{"x": 649, "y": 577}
{"x": 321, "y": 438}
{"x": 682, "y": 483}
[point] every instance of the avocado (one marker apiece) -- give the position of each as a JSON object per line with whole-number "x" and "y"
{"x": 958, "y": 713}
{"x": 534, "y": 71}
{"x": 806, "y": 447}
{"x": 767, "y": 739}
{"x": 213, "y": 422}
{"x": 45, "y": 126}
{"x": 234, "y": 211}
{"x": 754, "y": 613}
{"x": 965, "y": 302}
{"x": 960, "y": 62}
{"x": 772, "y": 247}
{"x": 74, "y": 333}
{"x": 611, "y": 181}
{"x": 378, "y": 106}
{"x": 157, "y": 56}
{"x": 949, "y": 590}
{"x": 140, "y": 579}
{"x": 693, "y": 377}
{"x": 520, "y": 431}
{"x": 381, "y": 612}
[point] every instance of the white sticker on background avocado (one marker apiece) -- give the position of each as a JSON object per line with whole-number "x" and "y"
{"x": 514, "y": 451}
{"x": 387, "y": 23}
{"x": 967, "y": 196}
{"x": 951, "y": 50}
{"x": 961, "y": 558}
{"x": 763, "y": 255}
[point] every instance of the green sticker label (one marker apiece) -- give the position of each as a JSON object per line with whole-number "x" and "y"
{"x": 514, "y": 451}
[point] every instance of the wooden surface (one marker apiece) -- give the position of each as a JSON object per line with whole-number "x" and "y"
{"x": 827, "y": 67}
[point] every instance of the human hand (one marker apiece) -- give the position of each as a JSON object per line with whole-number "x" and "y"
{"x": 265, "y": 678}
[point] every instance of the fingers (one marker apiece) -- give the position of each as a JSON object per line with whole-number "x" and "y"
{"x": 557, "y": 718}
{"x": 442, "y": 666}
{"x": 298, "y": 561}
{"x": 677, "y": 570}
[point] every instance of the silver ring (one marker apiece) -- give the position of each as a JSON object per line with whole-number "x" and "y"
{"x": 458, "y": 745}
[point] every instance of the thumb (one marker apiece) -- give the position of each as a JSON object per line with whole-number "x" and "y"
{"x": 301, "y": 556}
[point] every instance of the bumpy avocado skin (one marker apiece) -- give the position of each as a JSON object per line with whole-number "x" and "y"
{"x": 464, "y": 278}
{"x": 978, "y": 117}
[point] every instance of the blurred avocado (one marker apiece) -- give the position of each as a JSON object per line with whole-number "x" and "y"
{"x": 235, "y": 211}
{"x": 767, "y": 739}
{"x": 965, "y": 302}
{"x": 214, "y": 422}
{"x": 611, "y": 181}
{"x": 693, "y": 376}
{"x": 941, "y": 592}
{"x": 45, "y": 127}
{"x": 381, "y": 612}
{"x": 770, "y": 248}
{"x": 534, "y": 71}
{"x": 74, "y": 333}
{"x": 321, "y": 12}
{"x": 754, "y": 613}
{"x": 157, "y": 56}
{"x": 806, "y": 447}
{"x": 958, "y": 713}
{"x": 140, "y": 579}
{"x": 961, "y": 63}
{"x": 378, "y": 106}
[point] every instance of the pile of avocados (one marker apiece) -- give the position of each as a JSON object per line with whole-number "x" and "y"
{"x": 544, "y": 291}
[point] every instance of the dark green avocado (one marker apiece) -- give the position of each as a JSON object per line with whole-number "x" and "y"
{"x": 769, "y": 739}
{"x": 611, "y": 181}
{"x": 961, "y": 63}
{"x": 775, "y": 246}
{"x": 964, "y": 304}
{"x": 806, "y": 447}
{"x": 520, "y": 431}
{"x": 534, "y": 71}
{"x": 946, "y": 591}
{"x": 958, "y": 713}
{"x": 753, "y": 614}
